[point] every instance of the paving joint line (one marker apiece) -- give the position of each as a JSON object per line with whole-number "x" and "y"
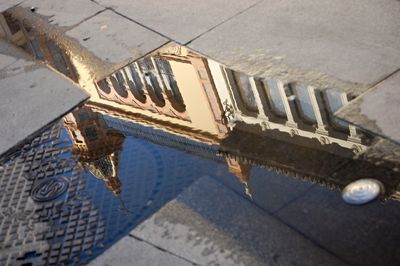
{"x": 86, "y": 19}
{"x": 140, "y": 24}
{"x": 284, "y": 223}
{"x": 223, "y": 22}
{"x": 293, "y": 200}
{"x": 161, "y": 249}
{"x": 385, "y": 78}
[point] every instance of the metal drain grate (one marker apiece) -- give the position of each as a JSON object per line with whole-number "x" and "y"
{"x": 44, "y": 219}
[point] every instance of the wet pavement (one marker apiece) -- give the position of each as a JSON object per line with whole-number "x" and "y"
{"x": 181, "y": 157}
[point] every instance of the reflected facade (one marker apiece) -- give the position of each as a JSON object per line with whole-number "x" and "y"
{"x": 151, "y": 129}
{"x": 188, "y": 98}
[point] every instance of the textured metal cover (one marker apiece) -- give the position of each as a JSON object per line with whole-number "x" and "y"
{"x": 56, "y": 208}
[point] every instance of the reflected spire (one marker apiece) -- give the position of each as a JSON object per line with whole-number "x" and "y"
{"x": 242, "y": 171}
{"x": 97, "y": 147}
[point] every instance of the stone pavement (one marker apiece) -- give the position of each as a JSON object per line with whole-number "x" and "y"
{"x": 213, "y": 223}
{"x": 377, "y": 110}
{"x": 209, "y": 224}
{"x": 348, "y": 45}
{"x": 331, "y": 44}
{"x": 32, "y": 96}
{"x": 353, "y": 46}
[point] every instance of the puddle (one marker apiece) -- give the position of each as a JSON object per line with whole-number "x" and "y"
{"x": 151, "y": 129}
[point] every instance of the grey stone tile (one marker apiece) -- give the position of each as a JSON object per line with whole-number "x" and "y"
{"x": 32, "y": 97}
{"x": 115, "y": 39}
{"x": 361, "y": 235}
{"x": 6, "y": 60}
{"x": 130, "y": 251}
{"x": 210, "y": 224}
{"x": 377, "y": 110}
{"x": 6, "y": 4}
{"x": 64, "y": 13}
{"x": 180, "y": 20}
{"x": 270, "y": 190}
{"x": 326, "y": 43}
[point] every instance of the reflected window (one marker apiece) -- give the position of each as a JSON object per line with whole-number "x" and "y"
{"x": 58, "y": 58}
{"x": 275, "y": 98}
{"x": 103, "y": 85}
{"x": 136, "y": 86}
{"x": 90, "y": 133}
{"x": 155, "y": 91}
{"x": 118, "y": 83}
{"x": 334, "y": 99}
{"x": 37, "y": 51}
{"x": 304, "y": 103}
{"x": 82, "y": 117}
{"x": 246, "y": 92}
{"x": 169, "y": 79}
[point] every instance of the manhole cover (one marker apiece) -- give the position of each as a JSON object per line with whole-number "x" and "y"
{"x": 49, "y": 189}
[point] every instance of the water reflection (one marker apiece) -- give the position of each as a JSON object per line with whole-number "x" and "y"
{"x": 97, "y": 146}
{"x": 178, "y": 91}
{"x": 153, "y": 127}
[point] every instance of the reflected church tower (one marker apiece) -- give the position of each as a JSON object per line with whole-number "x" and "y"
{"x": 97, "y": 147}
{"x": 242, "y": 171}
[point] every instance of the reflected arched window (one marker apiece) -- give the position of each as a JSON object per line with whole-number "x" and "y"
{"x": 153, "y": 87}
{"x": 246, "y": 92}
{"x": 304, "y": 103}
{"x": 103, "y": 85}
{"x": 58, "y": 58}
{"x": 169, "y": 79}
{"x": 334, "y": 102}
{"x": 275, "y": 98}
{"x": 136, "y": 85}
{"x": 118, "y": 84}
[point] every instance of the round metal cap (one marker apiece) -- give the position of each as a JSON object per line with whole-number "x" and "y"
{"x": 362, "y": 191}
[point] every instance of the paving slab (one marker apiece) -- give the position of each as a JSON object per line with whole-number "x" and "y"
{"x": 115, "y": 39}
{"x": 32, "y": 97}
{"x": 211, "y": 225}
{"x": 100, "y": 41}
{"x": 377, "y": 110}
{"x": 64, "y": 13}
{"x": 361, "y": 235}
{"x": 384, "y": 152}
{"x": 341, "y": 44}
{"x": 6, "y": 4}
{"x": 270, "y": 190}
{"x": 6, "y": 60}
{"x": 180, "y": 20}
{"x": 130, "y": 251}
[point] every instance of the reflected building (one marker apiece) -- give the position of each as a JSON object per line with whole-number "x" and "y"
{"x": 40, "y": 46}
{"x": 289, "y": 128}
{"x": 97, "y": 146}
{"x": 173, "y": 86}
{"x": 176, "y": 97}
{"x": 291, "y": 108}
